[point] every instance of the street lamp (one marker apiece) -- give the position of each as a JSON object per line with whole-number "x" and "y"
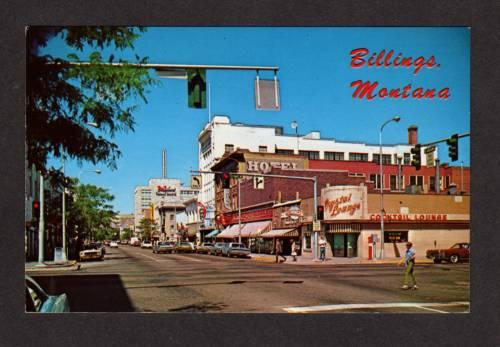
{"x": 393, "y": 119}
{"x": 295, "y": 126}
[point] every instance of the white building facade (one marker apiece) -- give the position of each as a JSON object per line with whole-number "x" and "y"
{"x": 221, "y": 136}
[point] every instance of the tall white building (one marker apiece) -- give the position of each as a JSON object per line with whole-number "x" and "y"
{"x": 162, "y": 199}
{"x": 221, "y": 136}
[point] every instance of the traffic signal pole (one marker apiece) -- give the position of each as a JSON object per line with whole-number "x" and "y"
{"x": 314, "y": 179}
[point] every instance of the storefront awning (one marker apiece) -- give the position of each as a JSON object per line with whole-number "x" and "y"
{"x": 213, "y": 233}
{"x": 230, "y": 231}
{"x": 255, "y": 229}
{"x": 280, "y": 233}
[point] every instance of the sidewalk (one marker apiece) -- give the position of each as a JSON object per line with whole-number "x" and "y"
{"x": 50, "y": 266}
{"x": 308, "y": 260}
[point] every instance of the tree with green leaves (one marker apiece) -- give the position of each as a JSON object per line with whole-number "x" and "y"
{"x": 90, "y": 213}
{"x": 126, "y": 234}
{"x": 67, "y": 93}
{"x": 147, "y": 227}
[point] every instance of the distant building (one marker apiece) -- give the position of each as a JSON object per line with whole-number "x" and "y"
{"x": 161, "y": 199}
{"x": 124, "y": 221}
{"x": 220, "y": 137}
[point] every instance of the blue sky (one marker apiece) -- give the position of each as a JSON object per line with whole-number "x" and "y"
{"x": 315, "y": 77}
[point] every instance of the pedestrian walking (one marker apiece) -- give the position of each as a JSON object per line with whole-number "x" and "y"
{"x": 409, "y": 262}
{"x": 279, "y": 250}
{"x": 322, "y": 248}
{"x": 294, "y": 250}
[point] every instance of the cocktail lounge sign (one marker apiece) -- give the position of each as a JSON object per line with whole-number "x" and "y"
{"x": 344, "y": 202}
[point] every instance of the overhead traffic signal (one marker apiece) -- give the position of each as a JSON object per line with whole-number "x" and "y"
{"x": 320, "y": 212}
{"x": 417, "y": 158}
{"x": 452, "y": 143}
{"x": 197, "y": 87}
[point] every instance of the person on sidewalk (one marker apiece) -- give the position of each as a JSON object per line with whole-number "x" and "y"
{"x": 409, "y": 262}
{"x": 278, "y": 249}
{"x": 294, "y": 250}
{"x": 322, "y": 248}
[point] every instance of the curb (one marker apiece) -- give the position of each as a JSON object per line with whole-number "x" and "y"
{"x": 50, "y": 267}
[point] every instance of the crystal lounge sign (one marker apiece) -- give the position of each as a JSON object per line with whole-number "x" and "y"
{"x": 344, "y": 202}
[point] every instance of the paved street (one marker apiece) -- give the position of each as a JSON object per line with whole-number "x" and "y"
{"x": 134, "y": 279}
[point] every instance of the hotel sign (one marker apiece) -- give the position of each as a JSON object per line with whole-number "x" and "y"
{"x": 344, "y": 202}
{"x": 267, "y": 166}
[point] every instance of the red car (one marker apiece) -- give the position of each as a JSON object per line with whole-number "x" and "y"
{"x": 456, "y": 253}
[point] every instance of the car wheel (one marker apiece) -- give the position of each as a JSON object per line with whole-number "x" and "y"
{"x": 437, "y": 261}
{"x": 454, "y": 258}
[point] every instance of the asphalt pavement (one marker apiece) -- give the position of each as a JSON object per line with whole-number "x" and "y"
{"x": 131, "y": 279}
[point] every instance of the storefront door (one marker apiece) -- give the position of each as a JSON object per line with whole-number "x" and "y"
{"x": 343, "y": 245}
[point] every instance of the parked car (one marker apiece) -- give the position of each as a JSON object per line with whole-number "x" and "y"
{"x": 204, "y": 248}
{"x": 164, "y": 247}
{"x": 184, "y": 247}
{"x": 37, "y": 300}
{"x": 456, "y": 253}
{"x": 113, "y": 244}
{"x": 217, "y": 250}
{"x": 91, "y": 251}
{"x": 107, "y": 243}
{"x": 134, "y": 241}
{"x": 146, "y": 244}
{"x": 234, "y": 249}
{"x": 123, "y": 242}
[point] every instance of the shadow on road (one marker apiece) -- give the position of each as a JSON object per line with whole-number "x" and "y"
{"x": 89, "y": 293}
{"x": 201, "y": 307}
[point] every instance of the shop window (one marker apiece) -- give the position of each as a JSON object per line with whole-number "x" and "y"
{"x": 393, "y": 182}
{"x": 358, "y": 156}
{"x": 310, "y": 154}
{"x": 334, "y": 156}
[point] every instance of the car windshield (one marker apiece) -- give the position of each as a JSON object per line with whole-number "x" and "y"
{"x": 237, "y": 245}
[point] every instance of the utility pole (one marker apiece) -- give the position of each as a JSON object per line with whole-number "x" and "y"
{"x": 41, "y": 224}
{"x": 438, "y": 178}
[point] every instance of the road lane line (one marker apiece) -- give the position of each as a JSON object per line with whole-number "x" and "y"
{"x": 306, "y": 309}
{"x": 431, "y": 309}
{"x": 147, "y": 256}
{"x": 189, "y": 258}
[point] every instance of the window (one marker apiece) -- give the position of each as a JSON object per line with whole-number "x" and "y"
{"x": 432, "y": 183}
{"x": 393, "y": 182}
{"x": 334, "y": 156}
{"x": 228, "y": 148}
{"x": 284, "y": 151}
{"x": 310, "y": 154}
{"x": 358, "y": 156}
{"x": 406, "y": 159}
{"x": 263, "y": 149}
{"x": 417, "y": 181}
{"x": 376, "y": 179}
{"x": 395, "y": 236}
{"x": 386, "y": 158}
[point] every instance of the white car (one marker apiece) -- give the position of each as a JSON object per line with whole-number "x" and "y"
{"x": 113, "y": 244}
{"x": 146, "y": 244}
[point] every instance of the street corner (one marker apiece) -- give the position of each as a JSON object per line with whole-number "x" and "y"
{"x": 70, "y": 265}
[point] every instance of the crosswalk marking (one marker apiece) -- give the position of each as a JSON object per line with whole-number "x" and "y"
{"x": 307, "y": 309}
